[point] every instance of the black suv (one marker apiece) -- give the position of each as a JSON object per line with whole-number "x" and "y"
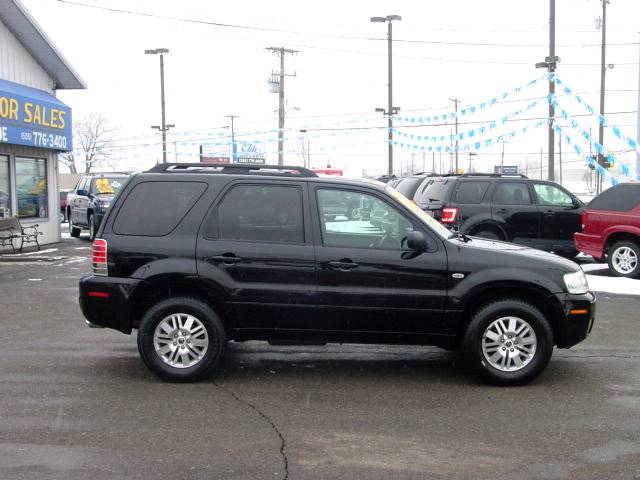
{"x": 535, "y": 213}
{"x": 88, "y": 201}
{"x": 193, "y": 256}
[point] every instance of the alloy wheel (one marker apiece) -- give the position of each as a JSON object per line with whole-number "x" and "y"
{"x": 181, "y": 340}
{"x": 624, "y": 260}
{"x": 509, "y": 344}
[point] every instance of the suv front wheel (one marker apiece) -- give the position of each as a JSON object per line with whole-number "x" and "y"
{"x": 181, "y": 339}
{"x": 508, "y": 342}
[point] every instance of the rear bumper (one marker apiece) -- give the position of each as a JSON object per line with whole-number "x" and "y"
{"x": 574, "y": 319}
{"x": 106, "y": 301}
{"x": 589, "y": 244}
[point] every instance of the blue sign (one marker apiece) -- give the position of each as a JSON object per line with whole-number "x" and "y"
{"x": 34, "y": 118}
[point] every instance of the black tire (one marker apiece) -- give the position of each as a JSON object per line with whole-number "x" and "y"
{"x": 472, "y": 347}
{"x": 217, "y": 339}
{"x": 570, "y": 254}
{"x": 617, "y": 270}
{"x": 92, "y": 226}
{"x": 74, "y": 231}
{"x": 488, "y": 233}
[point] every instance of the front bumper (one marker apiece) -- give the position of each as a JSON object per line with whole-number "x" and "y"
{"x": 574, "y": 317}
{"x": 106, "y": 301}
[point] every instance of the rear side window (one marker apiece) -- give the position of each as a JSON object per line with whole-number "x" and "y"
{"x": 621, "y": 198}
{"x": 470, "y": 192}
{"x": 154, "y": 209}
{"x": 259, "y": 213}
{"x": 512, "y": 194}
{"x": 408, "y": 186}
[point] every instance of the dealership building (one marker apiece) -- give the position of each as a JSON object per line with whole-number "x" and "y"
{"x": 34, "y": 125}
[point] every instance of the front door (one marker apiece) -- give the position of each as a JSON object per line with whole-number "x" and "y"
{"x": 254, "y": 246}
{"x": 561, "y": 217}
{"x": 512, "y": 208}
{"x": 367, "y": 280}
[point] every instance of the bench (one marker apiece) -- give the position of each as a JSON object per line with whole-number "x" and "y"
{"x": 11, "y": 229}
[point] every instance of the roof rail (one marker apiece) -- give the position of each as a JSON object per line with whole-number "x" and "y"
{"x": 491, "y": 175}
{"x": 233, "y": 168}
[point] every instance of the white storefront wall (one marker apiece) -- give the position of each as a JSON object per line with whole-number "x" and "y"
{"x": 17, "y": 65}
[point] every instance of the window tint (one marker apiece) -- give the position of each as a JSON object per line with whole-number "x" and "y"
{"x": 434, "y": 191}
{"x": 512, "y": 194}
{"x": 551, "y": 195}
{"x": 154, "y": 209}
{"x": 357, "y": 220}
{"x": 471, "y": 192}
{"x": 408, "y": 186}
{"x": 259, "y": 213}
{"x": 621, "y": 198}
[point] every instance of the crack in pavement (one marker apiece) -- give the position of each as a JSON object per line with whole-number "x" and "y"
{"x": 283, "y": 443}
{"x": 612, "y": 355}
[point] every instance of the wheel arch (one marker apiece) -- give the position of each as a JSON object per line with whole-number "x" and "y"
{"x": 619, "y": 236}
{"x": 536, "y": 295}
{"x": 489, "y": 224}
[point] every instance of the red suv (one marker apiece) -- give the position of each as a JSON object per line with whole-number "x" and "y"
{"x": 611, "y": 229}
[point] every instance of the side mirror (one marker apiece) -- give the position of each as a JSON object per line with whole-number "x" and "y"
{"x": 82, "y": 193}
{"x": 417, "y": 242}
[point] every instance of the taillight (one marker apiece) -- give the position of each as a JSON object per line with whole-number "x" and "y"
{"x": 99, "y": 257}
{"x": 449, "y": 215}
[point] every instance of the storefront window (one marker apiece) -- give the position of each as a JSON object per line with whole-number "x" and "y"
{"x": 31, "y": 187}
{"x": 5, "y": 202}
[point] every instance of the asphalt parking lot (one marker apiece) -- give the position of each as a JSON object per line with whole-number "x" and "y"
{"x": 78, "y": 403}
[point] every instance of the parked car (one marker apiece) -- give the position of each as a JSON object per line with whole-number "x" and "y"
{"x": 535, "y": 213}
{"x": 63, "y": 205}
{"x": 89, "y": 200}
{"x": 407, "y": 186}
{"x": 193, "y": 256}
{"x": 611, "y": 229}
{"x": 384, "y": 178}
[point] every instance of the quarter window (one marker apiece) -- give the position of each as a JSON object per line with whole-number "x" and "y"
{"x": 512, "y": 194}
{"x": 358, "y": 220}
{"x": 551, "y": 195}
{"x": 154, "y": 209}
{"x": 259, "y": 213}
{"x": 621, "y": 198}
{"x": 31, "y": 187}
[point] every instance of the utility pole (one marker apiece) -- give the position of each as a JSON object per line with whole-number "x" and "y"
{"x": 541, "y": 163}
{"x": 163, "y": 127}
{"x": 560, "y": 156}
{"x": 603, "y": 71}
{"x": 550, "y": 63}
{"x": 391, "y": 110}
{"x": 234, "y": 147}
{"x": 455, "y": 102}
{"x": 638, "y": 125}
{"x": 276, "y": 82}
{"x": 433, "y": 161}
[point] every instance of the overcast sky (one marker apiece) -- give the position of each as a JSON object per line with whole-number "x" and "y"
{"x": 213, "y": 71}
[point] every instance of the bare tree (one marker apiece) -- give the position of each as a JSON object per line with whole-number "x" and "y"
{"x": 92, "y": 137}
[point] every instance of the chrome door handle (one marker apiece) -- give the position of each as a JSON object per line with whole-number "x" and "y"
{"x": 343, "y": 264}
{"x": 226, "y": 259}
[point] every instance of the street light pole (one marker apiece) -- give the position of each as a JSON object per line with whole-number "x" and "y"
{"x": 455, "y": 102}
{"x": 163, "y": 126}
{"x": 391, "y": 110}
{"x": 603, "y": 71}
{"x": 234, "y": 147}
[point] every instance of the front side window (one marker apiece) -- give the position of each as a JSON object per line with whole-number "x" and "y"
{"x": 357, "y": 220}
{"x": 5, "y": 200}
{"x": 259, "y": 213}
{"x": 552, "y": 195}
{"x": 515, "y": 193}
{"x": 31, "y": 187}
{"x": 154, "y": 209}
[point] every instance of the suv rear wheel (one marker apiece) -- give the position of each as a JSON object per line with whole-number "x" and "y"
{"x": 73, "y": 230}
{"x": 181, "y": 339}
{"x": 489, "y": 233}
{"x": 623, "y": 259}
{"x": 92, "y": 227}
{"x": 508, "y": 342}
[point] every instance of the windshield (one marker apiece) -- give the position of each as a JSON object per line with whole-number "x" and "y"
{"x": 433, "y": 224}
{"x": 107, "y": 185}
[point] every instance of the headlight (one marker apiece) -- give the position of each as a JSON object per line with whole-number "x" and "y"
{"x": 576, "y": 282}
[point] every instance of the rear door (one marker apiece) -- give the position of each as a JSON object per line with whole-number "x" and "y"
{"x": 367, "y": 280}
{"x": 79, "y": 207}
{"x": 513, "y": 208}
{"x": 256, "y": 244}
{"x": 561, "y": 216}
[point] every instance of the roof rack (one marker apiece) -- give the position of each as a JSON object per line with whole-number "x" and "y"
{"x": 234, "y": 168}
{"x": 492, "y": 175}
